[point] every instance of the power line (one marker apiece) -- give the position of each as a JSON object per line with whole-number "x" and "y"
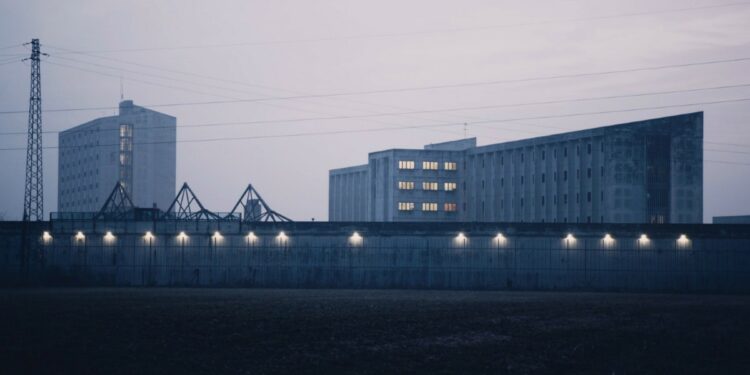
{"x": 190, "y": 90}
{"x": 12, "y": 46}
{"x": 368, "y": 92}
{"x": 454, "y": 109}
{"x": 418, "y": 33}
{"x": 407, "y": 127}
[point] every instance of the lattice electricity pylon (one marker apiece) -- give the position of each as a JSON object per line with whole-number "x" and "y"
{"x": 186, "y": 206}
{"x": 254, "y": 208}
{"x": 118, "y": 205}
{"x": 33, "y": 197}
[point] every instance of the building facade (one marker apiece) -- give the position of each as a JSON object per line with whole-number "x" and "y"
{"x": 642, "y": 172}
{"x": 136, "y": 147}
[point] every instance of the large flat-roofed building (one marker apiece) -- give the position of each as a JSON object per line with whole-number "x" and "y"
{"x": 136, "y": 147}
{"x": 641, "y": 172}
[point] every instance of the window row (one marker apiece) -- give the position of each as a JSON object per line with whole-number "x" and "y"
{"x": 431, "y": 186}
{"x": 427, "y": 206}
{"x": 427, "y": 165}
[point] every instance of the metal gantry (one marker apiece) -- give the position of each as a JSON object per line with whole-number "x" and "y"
{"x": 33, "y": 198}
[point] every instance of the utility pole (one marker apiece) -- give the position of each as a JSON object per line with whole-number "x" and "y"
{"x": 33, "y": 198}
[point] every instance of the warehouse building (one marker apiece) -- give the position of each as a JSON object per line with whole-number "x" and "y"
{"x": 136, "y": 148}
{"x": 647, "y": 171}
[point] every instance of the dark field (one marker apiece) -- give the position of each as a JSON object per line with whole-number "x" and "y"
{"x": 136, "y": 331}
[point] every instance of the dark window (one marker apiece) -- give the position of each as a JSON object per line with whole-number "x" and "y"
{"x": 589, "y": 148}
{"x": 543, "y": 154}
{"x": 565, "y": 152}
{"x": 542, "y": 200}
{"x": 578, "y": 198}
{"x": 542, "y": 177}
{"x": 589, "y": 172}
{"x": 565, "y": 175}
{"x": 588, "y": 196}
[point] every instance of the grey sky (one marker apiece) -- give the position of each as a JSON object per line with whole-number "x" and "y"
{"x": 280, "y": 48}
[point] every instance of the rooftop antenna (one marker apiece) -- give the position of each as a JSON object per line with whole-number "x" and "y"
{"x": 122, "y": 90}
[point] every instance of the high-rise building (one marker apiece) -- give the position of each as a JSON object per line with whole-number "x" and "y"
{"x": 642, "y": 172}
{"x": 136, "y": 147}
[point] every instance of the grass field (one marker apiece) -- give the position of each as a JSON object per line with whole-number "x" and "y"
{"x": 251, "y": 331}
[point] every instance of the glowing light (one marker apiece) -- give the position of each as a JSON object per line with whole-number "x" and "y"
{"x": 46, "y": 237}
{"x": 570, "y": 237}
{"x": 182, "y": 236}
{"x": 460, "y": 239}
{"x": 500, "y": 239}
{"x": 356, "y": 239}
{"x": 608, "y": 240}
{"x": 251, "y": 238}
{"x": 282, "y": 238}
{"x": 683, "y": 241}
{"x": 148, "y": 236}
{"x": 80, "y": 236}
{"x": 643, "y": 240}
{"x": 109, "y": 237}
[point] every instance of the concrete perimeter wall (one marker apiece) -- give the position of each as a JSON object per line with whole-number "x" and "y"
{"x": 712, "y": 258}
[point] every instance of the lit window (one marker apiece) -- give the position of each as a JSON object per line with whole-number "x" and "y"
{"x": 429, "y": 206}
{"x": 406, "y": 206}
{"x": 406, "y": 185}
{"x": 429, "y": 185}
{"x": 431, "y": 165}
{"x": 449, "y": 207}
{"x": 406, "y": 164}
{"x": 449, "y": 166}
{"x": 449, "y": 186}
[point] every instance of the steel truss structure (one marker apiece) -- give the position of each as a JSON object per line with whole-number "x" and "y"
{"x": 255, "y": 209}
{"x": 118, "y": 205}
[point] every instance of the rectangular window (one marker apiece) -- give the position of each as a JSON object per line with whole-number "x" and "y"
{"x": 449, "y": 207}
{"x": 449, "y": 166}
{"x": 429, "y": 206}
{"x": 449, "y": 186}
{"x": 429, "y": 185}
{"x": 406, "y": 164}
{"x": 430, "y": 165}
{"x": 406, "y": 206}
{"x": 589, "y": 172}
{"x": 406, "y": 185}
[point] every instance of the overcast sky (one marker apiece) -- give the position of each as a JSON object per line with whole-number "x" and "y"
{"x": 270, "y": 49}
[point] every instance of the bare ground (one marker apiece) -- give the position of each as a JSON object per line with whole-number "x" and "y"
{"x": 252, "y": 331}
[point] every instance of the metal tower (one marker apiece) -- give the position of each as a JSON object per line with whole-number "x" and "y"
{"x": 33, "y": 198}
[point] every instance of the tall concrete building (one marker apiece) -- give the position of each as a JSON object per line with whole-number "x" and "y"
{"x": 136, "y": 147}
{"x": 641, "y": 172}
